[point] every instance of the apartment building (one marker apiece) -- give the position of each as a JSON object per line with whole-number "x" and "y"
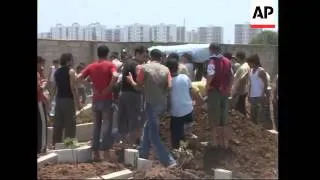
{"x": 59, "y": 32}
{"x": 243, "y": 33}
{"x": 192, "y": 36}
{"x": 181, "y": 34}
{"x": 75, "y": 32}
{"x": 210, "y": 34}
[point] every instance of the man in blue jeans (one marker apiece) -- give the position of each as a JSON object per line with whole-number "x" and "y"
{"x": 156, "y": 81}
{"x": 103, "y": 74}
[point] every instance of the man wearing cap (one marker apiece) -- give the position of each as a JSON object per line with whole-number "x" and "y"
{"x": 219, "y": 82}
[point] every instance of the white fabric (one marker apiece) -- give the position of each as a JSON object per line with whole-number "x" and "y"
{"x": 43, "y": 126}
{"x": 53, "y": 70}
{"x": 190, "y": 68}
{"x": 256, "y": 84}
{"x": 181, "y": 101}
{"x": 211, "y": 67}
{"x": 211, "y": 70}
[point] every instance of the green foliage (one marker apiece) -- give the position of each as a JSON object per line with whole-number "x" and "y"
{"x": 71, "y": 143}
{"x": 266, "y": 37}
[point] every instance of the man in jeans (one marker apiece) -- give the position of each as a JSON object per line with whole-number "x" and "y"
{"x": 156, "y": 80}
{"x": 103, "y": 74}
{"x": 219, "y": 82}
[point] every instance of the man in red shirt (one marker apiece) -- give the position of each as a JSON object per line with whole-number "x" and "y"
{"x": 219, "y": 82}
{"x": 42, "y": 116}
{"x": 103, "y": 74}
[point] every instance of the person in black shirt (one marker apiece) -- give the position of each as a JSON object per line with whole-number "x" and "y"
{"x": 130, "y": 122}
{"x": 67, "y": 99}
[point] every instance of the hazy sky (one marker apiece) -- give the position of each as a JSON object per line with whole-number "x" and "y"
{"x": 197, "y": 13}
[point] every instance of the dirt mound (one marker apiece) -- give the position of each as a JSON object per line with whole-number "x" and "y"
{"x": 254, "y": 151}
{"x": 159, "y": 172}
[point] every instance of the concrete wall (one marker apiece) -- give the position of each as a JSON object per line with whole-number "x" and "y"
{"x": 85, "y": 51}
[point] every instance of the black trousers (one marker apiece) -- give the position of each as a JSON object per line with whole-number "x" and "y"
{"x": 177, "y": 129}
{"x": 64, "y": 119}
{"x": 241, "y": 104}
{"x": 42, "y": 130}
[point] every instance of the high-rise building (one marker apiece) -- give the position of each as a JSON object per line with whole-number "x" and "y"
{"x": 44, "y": 35}
{"x": 116, "y": 34}
{"x": 135, "y": 33}
{"x": 243, "y": 33}
{"x": 171, "y": 33}
{"x": 192, "y": 36}
{"x": 181, "y": 34}
{"x": 159, "y": 33}
{"x": 210, "y": 34}
{"x": 75, "y": 32}
{"x": 59, "y": 32}
{"x": 109, "y": 34}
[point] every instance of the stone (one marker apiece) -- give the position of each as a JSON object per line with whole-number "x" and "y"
{"x": 84, "y": 131}
{"x": 59, "y": 146}
{"x": 222, "y": 174}
{"x": 124, "y": 174}
{"x": 83, "y": 154}
{"x": 131, "y": 157}
{"x": 95, "y": 178}
{"x": 46, "y": 159}
{"x": 144, "y": 164}
{"x": 272, "y": 131}
{"x": 66, "y": 155}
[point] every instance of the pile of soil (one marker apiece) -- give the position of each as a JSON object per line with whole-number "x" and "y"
{"x": 159, "y": 172}
{"x": 253, "y": 150}
{"x": 77, "y": 171}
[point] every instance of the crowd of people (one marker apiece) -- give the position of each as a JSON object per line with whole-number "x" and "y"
{"x": 131, "y": 94}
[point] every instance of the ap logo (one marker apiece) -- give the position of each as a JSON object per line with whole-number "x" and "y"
{"x": 262, "y": 14}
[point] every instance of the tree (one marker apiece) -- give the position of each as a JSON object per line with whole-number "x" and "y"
{"x": 266, "y": 37}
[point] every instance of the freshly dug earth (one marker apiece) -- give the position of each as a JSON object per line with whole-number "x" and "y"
{"x": 159, "y": 172}
{"x": 253, "y": 154}
{"x": 77, "y": 171}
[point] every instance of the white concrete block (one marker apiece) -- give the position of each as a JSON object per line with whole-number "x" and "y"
{"x": 273, "y": 131}
{"x": 144, "y": 164}
{"x": 49, "y": 158}
{"x": 83, "y": 154}
{"x": 59, "y": 146}
{"x": 86, "y": 107}
{"x": 66, "y": 155}
{"x": 124, "y": 174}
{"x": 49, "y": 135}
{"x": 84, "y": 131}
{"x": 222, "y": 174}
{"x": 131, "y": 157}
{"x": 95, "y": 178}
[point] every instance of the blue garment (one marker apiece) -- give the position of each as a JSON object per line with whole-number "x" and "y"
{"x": 180, "y": 98}
{"x": 151, "y": 135}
